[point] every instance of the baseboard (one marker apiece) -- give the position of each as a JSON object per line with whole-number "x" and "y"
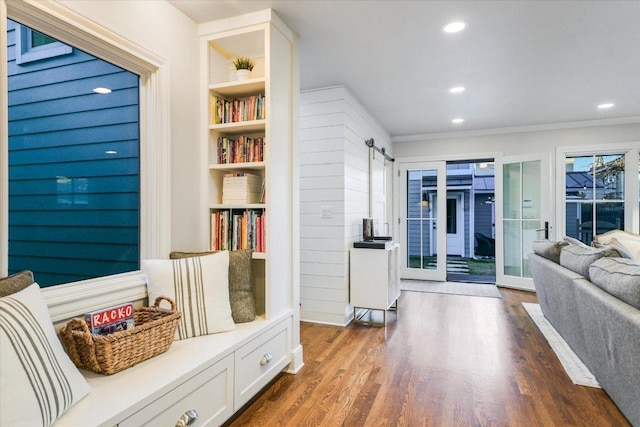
{"x": 297, "y": 361}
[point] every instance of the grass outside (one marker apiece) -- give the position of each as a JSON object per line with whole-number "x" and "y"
{"x": 477, "y": 267}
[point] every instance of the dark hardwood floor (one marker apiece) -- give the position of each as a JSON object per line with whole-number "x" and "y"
{"x": 442, "y": 360}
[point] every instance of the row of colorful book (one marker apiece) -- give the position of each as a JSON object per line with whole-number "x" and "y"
{"x": 233, "y": 230}
{"x": 242, "y": 150}
{"x": 237, "y": 110}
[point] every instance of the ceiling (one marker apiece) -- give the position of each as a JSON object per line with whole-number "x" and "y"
{"x": 523, "y": 63}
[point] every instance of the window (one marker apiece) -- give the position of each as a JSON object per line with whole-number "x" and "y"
{"x": 74, "y": 166}
{"x": 33, "y": 46}
{"x": 594, "y": 195}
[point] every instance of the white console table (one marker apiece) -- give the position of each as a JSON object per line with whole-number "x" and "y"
{"x": 375, "y": 278}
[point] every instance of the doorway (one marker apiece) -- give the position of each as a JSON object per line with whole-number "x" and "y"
{"x": 448, "y": 220}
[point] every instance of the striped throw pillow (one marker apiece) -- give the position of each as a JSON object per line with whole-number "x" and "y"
{"x": 200, "y": 288}
{"x": 38, "y": 381}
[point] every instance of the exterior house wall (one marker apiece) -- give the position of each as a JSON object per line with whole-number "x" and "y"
{"x": 59, "y": 174}
{"x": 334, "y": 177}
{"x": 170, "y": 34}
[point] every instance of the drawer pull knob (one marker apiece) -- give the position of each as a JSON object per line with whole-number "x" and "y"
{"x": 187, "y": 418}
{"x": 266, "y": 359}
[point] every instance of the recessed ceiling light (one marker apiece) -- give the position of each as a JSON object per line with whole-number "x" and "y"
{"x": 454, "y": 27}
{"x": 110, "y": 152}
{"x": 102, "y": 90}
{"x": 604, "y": 106}
{"x": 457, "y": 89}
{"x": 457, "y": 121}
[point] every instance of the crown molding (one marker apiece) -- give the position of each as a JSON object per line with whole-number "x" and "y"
{"x": 517, "y": 129}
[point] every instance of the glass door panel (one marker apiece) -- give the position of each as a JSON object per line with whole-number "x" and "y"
{"x": 424, "y": 250}
{"x": 523, "y": 214}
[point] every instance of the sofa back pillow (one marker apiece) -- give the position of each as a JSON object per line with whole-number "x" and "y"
{"x": 579, "y": 258}
{"x": 548, "y": 249}
{"x": 619, "y": 277}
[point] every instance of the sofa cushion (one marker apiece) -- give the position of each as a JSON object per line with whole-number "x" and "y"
{"x": 38, "y": 381}
{"x": 619, "y": 277}
{"x": 15, "y": 283}
{"x": 548, "y": 249}
{"x": 578, "y": 258}
{"x": 243, "y": 307}
{"x": 200, "y": 288}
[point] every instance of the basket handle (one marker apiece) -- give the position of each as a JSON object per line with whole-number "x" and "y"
{"x": 169, "y": 300}
{"x": 67, "y": 332}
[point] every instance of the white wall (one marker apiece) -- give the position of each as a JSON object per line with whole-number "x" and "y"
{"x": 160, "y": 28}
{"x": 334, "y": 173}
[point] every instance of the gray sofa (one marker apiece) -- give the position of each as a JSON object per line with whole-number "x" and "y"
{"x": 601, "y": 328}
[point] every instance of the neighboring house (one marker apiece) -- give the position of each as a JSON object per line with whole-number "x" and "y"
{"x": 470, "y": 209}
{"x": 73, "y": 160}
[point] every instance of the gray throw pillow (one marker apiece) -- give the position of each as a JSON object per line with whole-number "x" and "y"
{"x": 579, "y": 258}
{"x": 241, "y": 297}
{"x": 15, "y": 283}
{"x": 548, "y": 249}
{"x": 619, "y": 277}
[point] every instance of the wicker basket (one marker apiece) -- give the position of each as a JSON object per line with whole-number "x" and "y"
{"x": 152, "y": 334}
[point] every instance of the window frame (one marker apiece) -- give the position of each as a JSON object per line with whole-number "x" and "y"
{"x": 630, "y": 151}
{"x": 71, "y": 299}
{"x": 25, "y": 53}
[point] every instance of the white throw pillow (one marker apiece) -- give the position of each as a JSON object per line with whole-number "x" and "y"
{"x": 620, "y": 235}
{"x": 200, "y": 288}
{"x": 629, "y": 248}
{"x": 38, "y": 381}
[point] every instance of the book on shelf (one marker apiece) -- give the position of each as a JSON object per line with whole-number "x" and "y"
{"x": 110, "y": 320}
{"x": 237, "y": 110}
{"x": 241, "y": 188}
{"x": 238, "y": 229}
{"x": 242, "y": 150}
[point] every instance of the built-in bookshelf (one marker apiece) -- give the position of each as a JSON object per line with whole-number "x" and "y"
{"x": 237, "y": 126}
{"x": 249, "y": 133}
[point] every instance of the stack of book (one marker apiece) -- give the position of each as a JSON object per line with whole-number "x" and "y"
{"x": 233, "y": 230}
{"x": 241, "y": 188}
{"x": 237, "y": 110}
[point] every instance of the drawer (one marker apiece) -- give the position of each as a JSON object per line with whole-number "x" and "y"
{"x": 259, "y": 361}
{"x": 209, "y": 393}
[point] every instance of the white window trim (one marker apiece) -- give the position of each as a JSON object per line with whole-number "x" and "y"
{"x": 69, "y": 27}
{"x": 630, "y": 150}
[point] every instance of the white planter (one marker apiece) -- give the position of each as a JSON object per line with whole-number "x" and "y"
{"x": 243, "y": 74}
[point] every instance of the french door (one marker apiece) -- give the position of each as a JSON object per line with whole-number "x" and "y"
{"x": 523, "y": 200}
{"x": 423, "y": 207}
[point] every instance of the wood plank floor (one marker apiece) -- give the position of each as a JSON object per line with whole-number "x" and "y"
{"x": 442, "y": 360}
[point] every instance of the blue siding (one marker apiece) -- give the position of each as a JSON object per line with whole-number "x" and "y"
{"x": 73, "y": 207}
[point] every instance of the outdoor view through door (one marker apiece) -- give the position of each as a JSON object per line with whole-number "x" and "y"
{"x": 468, "y": 219}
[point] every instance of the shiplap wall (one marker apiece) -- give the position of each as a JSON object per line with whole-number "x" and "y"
{"x": 334, "y": 173}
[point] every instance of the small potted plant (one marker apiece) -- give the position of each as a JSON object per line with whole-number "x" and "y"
{"x": 244, "y": 65}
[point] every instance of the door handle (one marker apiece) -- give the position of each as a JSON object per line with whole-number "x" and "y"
{"x": 545, "y": 229}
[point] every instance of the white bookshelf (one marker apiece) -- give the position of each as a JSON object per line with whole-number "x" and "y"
{"x": 264, "y": 38}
